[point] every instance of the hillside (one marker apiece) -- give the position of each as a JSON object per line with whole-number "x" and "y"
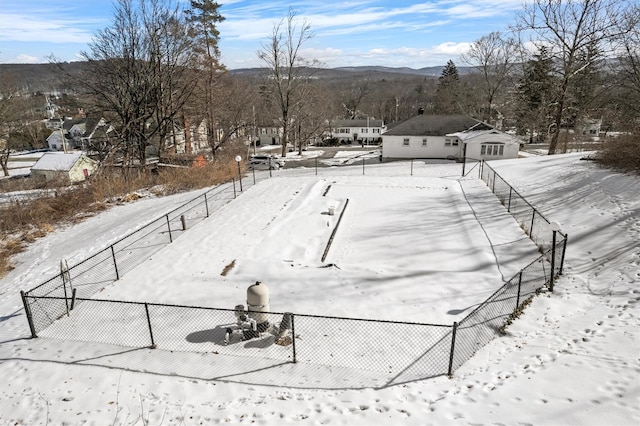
{"x": 47, "y": 78}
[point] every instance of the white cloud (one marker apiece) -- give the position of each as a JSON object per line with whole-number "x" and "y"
{"x": 450, "y": 48}
{"x": 25, "y": 28}
{"x": 25, "y": 59}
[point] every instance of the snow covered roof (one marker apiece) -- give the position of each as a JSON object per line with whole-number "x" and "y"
{"x": 57, "y": 161}
{"x": 492, "y": 135}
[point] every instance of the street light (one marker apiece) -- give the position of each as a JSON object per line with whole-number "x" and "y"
{"x": 238, "y": 160}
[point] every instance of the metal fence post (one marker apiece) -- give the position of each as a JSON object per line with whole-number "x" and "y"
{"x": 293, "y": 337}
{"x": 493, "y": 184}
{"x": 533, "y": 217}
{"x": 519, "y": 287}
{"x": 115, "y": 264}
{"x": 27, "y": 311}
{"x": 169, "y": 227}
{"x": 363, "y": 165}
{"x": 316, "y": 166}
{"x": 564, "y": 250}
{"x": 453, "y": 346}
{"x": 64, "y": 290}
{"x": 73, "y": 298}
{"x": 510, "y": 192}
{"x": 146, "y": 309}
{"x": 206, "y": 204}
{"x": 553, "y": 260}
{"x": 412, "y": 167}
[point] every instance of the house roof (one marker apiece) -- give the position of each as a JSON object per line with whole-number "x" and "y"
{"x": 436, "y": 125}
{"x": 359, "y": 123}
{"x": 57, "y": 161}
{"x": 499, "y": 136}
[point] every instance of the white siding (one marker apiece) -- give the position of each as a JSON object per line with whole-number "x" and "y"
{"x": 436, "y": 147}
{"x": 511, "y": 146}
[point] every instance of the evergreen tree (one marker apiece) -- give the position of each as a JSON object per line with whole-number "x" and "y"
{"x": 448, "y": 90}
{"x": 535, "y": 96}
{"x": 203, "y": 18}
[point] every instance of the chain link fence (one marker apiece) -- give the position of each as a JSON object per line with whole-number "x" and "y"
{"x": 62, "y": 307}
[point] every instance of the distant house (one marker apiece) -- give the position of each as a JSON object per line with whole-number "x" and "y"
{"x": 58, "y": 140}
{"x": 361, "y": 131}
{"x": 268, "y": 135}
{"x": 73, "y": 167}
{"x": 188, "y": 139}
{"x": 77, "y": 133}
{"x": 447, "y": 137}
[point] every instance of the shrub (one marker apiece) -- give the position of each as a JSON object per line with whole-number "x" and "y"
{"x": 622, "y": 153}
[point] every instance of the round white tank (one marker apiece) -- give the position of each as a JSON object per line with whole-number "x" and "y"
{"x": 258, "y": 301}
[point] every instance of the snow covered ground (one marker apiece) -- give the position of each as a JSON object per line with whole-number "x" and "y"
{"x": 409, "y": 248}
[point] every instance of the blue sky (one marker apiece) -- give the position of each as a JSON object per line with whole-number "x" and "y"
{"x": 346, "y": 33}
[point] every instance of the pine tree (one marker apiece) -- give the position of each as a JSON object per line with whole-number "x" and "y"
{"x": 535, "y": 96}
{"x": 203, "y": 18}
{"x": 448, "y": 90}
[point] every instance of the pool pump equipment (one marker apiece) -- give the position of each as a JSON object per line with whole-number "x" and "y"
{"x": 254, "y": 321}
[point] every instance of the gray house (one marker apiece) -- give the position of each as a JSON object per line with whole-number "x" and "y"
{"x": 447, "y": 137}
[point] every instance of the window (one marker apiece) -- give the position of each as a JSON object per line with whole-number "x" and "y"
{"x": 364, "y": 130}
{"x": 424, "y": 141}
{"x": 493, "y": 149}
{"x": 455, "y": 142}
{"x": 405, "y": 142}
{"x": 447, "y": 142}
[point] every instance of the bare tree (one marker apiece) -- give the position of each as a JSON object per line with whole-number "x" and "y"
{"x": 140, "y": 74}
{"x": 289, "y": 70}
{"x": 494, "y": 57}
{"x": 354, "y": 97}
{"x": 310, "y": 117}
{"x": 627, "y": 69}
{"x": 577, "y": 34}
{"x": 10, "y": 111}
{"x": 232, "y": 110}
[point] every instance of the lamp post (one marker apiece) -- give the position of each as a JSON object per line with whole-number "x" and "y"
{"x": 238, "y": 160}
{"x": 555, "y": 227}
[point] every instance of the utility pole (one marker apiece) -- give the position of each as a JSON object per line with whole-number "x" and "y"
{"x": 397, "y": 104}
{"x": 253, "y": 130}
{"x": 64, "y": 142}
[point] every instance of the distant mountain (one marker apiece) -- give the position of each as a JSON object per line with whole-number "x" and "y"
{"x": 48, "y": 78}
{"x": 378, "y": 71}
{"x": 426, "y": 71}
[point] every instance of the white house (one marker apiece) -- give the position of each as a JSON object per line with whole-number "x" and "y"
{"x": 73, "y": 167}
{"x": 488, "y": 144}
{"x": 447, "y": 137}
{"x": 58, "y": 140}
{"x": 363, "y": 131}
